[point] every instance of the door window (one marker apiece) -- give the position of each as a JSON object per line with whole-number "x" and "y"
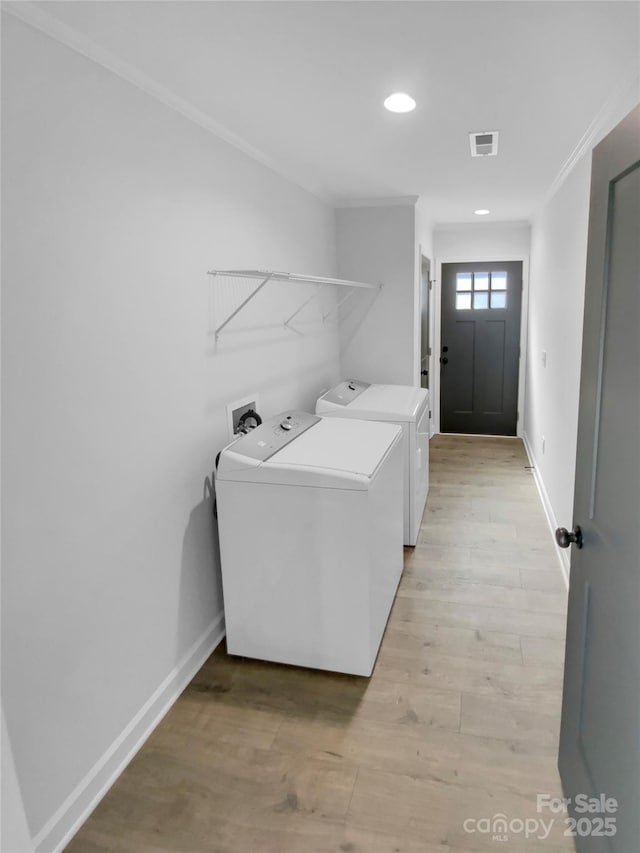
{"x": 481, "y": 290}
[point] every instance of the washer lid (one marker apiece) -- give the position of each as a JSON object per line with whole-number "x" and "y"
{"x": 336, "y": 444}
{"x": 332, "y": 453}
{"x": 381, "y": 403}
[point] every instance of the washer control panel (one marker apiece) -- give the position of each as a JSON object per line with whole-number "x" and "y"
{"x": 273, "y": 434}
{"x": 345, "y": 392}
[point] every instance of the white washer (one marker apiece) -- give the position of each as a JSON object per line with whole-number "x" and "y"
{"x": 398, "y": 404}
{"x": 310, "y": 525}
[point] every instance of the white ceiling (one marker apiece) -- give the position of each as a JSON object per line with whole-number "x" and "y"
{"x": 303, "y": 84}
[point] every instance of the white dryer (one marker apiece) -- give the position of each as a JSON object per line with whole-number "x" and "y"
{"x": 406, "y": 406}
{"x": 310, "y": 525}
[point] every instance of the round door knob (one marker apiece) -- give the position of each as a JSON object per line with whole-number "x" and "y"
{"x": 564, "y": 537}
{"x": 445, "y": 349}
{"x": 444, "y": 360}
{"x": 425, "y": 372}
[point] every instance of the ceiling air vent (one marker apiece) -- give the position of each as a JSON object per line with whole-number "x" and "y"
{"x": 484, "y": 143}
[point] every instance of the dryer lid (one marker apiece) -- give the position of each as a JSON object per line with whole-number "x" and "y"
{"x": 398, "y": 403}
{"x": 345, "y": 392}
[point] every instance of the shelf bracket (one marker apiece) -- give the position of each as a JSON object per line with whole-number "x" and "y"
{"x": 304, "y": 305}
{"x": 338, "y": 305}
{"x": 242, "y": 304}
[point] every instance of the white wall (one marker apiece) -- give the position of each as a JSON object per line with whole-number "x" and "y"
{"x": 556, "y": 302}
{"x": 500, "y": 241}
{"x": 556, "y": 306}
{"x": 378, "y": 332}
{"x": 113, "y": 401}
{"x": 482, "y": 240}
{"x": 424, "y": 228}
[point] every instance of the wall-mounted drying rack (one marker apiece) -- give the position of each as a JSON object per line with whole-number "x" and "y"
{"x": 266, "y": 276}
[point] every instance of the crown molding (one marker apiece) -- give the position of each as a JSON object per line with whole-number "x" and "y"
{"x": 34, "y": 16}
{"x": 391, "y": 201}
{"x": 622, "y": 98}
{"x": 501, "y": 224}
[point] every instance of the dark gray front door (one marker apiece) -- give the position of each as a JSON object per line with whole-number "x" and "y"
{"x": 480, "y": 351}
{"x": 600, "y": 732}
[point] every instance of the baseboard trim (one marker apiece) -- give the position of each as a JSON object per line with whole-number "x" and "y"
{"x": 73, "y": 812}
{"x": 479, "y": 435}
{"x": 563, "y": 556}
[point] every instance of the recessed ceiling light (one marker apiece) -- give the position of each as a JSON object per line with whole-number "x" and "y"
{"x": 400, "y": 102}
{"x": 481, "y": 211}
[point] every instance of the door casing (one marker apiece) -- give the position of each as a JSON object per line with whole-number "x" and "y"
{"x": 425, "y": 272}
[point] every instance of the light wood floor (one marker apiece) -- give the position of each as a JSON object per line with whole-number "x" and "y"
{"x": 460, "y": 719}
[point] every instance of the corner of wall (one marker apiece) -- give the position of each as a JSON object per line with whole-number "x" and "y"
{"x": 14, "y": 830}
{"x": 378, "y": 243}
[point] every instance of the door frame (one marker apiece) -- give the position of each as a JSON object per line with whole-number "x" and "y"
{"x": 417, "y": 325}
{"x": 436, "y": 337}
{"x": 426, "y": 260}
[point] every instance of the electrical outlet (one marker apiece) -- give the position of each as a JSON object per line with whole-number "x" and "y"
{"x": 544, "y": 441}
{"x": 237, "y": 409}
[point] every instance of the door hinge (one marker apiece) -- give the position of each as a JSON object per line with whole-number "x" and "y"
{"x": 432, "y": 281}
{"x": 428, "y": 350}
{"x": 517, "y": 416}
{"x": 429, "y": 414}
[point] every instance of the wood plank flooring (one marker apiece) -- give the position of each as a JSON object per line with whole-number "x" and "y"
{"x": 459, "y": 721}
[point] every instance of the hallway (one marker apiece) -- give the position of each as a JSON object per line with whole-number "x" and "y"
{"x": 459, "y": 721}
